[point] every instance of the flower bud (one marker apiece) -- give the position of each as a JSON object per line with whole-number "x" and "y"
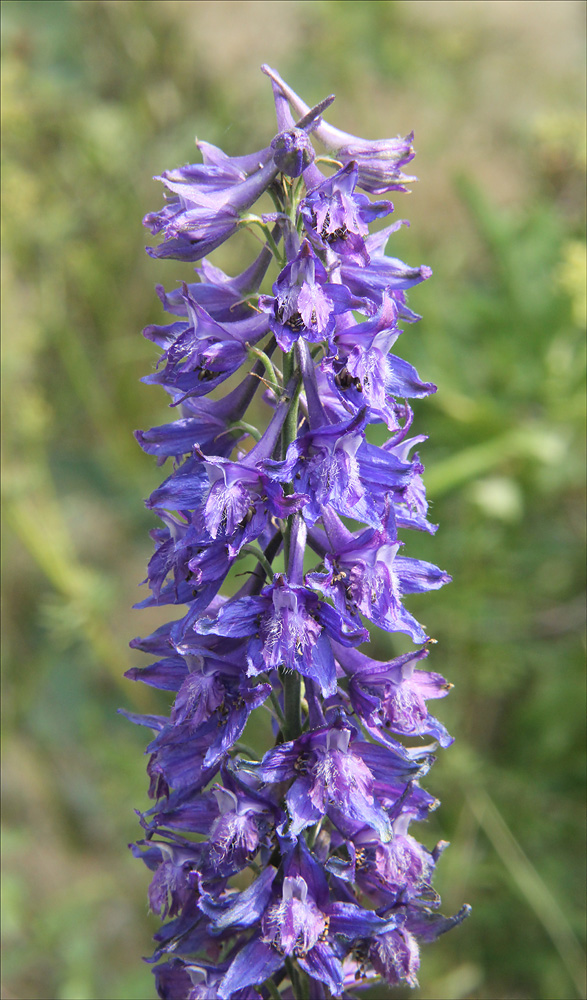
{"x": 292, "y": 152}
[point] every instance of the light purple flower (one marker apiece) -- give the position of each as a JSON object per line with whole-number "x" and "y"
{"x": 379, "y": 161}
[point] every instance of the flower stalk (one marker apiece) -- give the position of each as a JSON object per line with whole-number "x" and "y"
{"x": 339, "y": 891}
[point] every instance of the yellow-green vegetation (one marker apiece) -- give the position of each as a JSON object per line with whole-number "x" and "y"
{"x": 98, "y": 97}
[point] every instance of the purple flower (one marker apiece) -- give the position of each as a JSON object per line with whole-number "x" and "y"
{"x": 179, "y": 980}
{"x": 336, "y": 468}
{"x": 337, "y": 218}
{"x": 224, "y": 298}
{"x": 305, "y": 302}
{"x": 382, "y": 275}
{"x": 395, "y": 870}
{"x": 365, "y": 373}
{"x": 394, "y": 694}
{"x": 365, "y": 574}
{"x": 304, "y": 515}
{"x": 209, "y": 200}
{"x": 286, "y": 625}
{"x": 292, "y": 152}
{"x": 201, "y": 353}
{"x": 240, "y": 501}
{"x": 298, "y": 919}
{"x": 396, "y": 956}
{"x": 333, "y": 770}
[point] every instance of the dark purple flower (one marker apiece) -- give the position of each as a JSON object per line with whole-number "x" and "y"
{"x": 201, "y": 353}
{"x": 180, "y": 980}
{"x": 292, "y": 152}
{"x": 224, "y": 298}
{"x": 332, "y": 769}
{"x": 241, "y": 498}
{"x": 335, "y": 467}
{"x": 396, "y": 870}
{"x": 286, "y": 626}
{"x": 297, "y": 920}
{"x": 172, "y": 886}
{"x": 382, "y": 275}
{"x": 236, "y": 821}
{"x": 396, "y": 956}
{"x": 236, "y": 833}
{"x": 337, "y": 218}
{"x": 394, "y": 694}
{"x": 305, "y": 302}
{"x": 365, "y": 574}
{"x": 365, "y": 373}
{"x": 207, "y": 432}
{"x": 209, "y": 716}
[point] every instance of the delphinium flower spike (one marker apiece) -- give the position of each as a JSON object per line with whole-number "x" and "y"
{"x": 292, "y": 874}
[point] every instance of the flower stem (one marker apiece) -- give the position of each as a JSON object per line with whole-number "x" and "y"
{"x": 290, "y": 428}
{"x": 277, "y": 707}
{"x": 273, "y": 373}
{"x": 293, "y": 704}
{"x": 254, "y": 220}
{"x": 253, "y": 550}
{"x": 242, "y": 425}
{"x": 273, "y": 989}
{"x": 290, "y": 679}
{"x": 298, "y": 980}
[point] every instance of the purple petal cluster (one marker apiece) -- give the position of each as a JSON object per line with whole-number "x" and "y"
{"x": 294, "y": 871}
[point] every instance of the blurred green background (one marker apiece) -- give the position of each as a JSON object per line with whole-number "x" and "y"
{"x": 98, "y": 97}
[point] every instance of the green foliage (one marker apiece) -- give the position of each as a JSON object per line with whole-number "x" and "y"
{"x": 99, "y": 96}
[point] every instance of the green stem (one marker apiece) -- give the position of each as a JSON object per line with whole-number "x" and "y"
{"x": 329, "y": 160}
{"x": 254, "y": 220}
{"x": 252, "y": 550}
{"x": 288, "y": 365}
{"x": 287, "y": 435}
{"x": 298, "y": 980}
{"x": 243, "y": 748}
{"x": 316, "y": 351}
{"x": 290, "y": 427}
{"x": 313, "y": 835}
{"x": 275, "y": 702}
{"x": 293, "y": 977}
{"x": 242, "y": 425}
{"x": 296, "y": 192}
{"x": 273, "y": 989}
{"x": 290, "y": 679}
{"x": 273, "y": 373}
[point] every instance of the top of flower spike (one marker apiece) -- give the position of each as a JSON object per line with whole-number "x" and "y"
{"x": 379, "y": 161}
